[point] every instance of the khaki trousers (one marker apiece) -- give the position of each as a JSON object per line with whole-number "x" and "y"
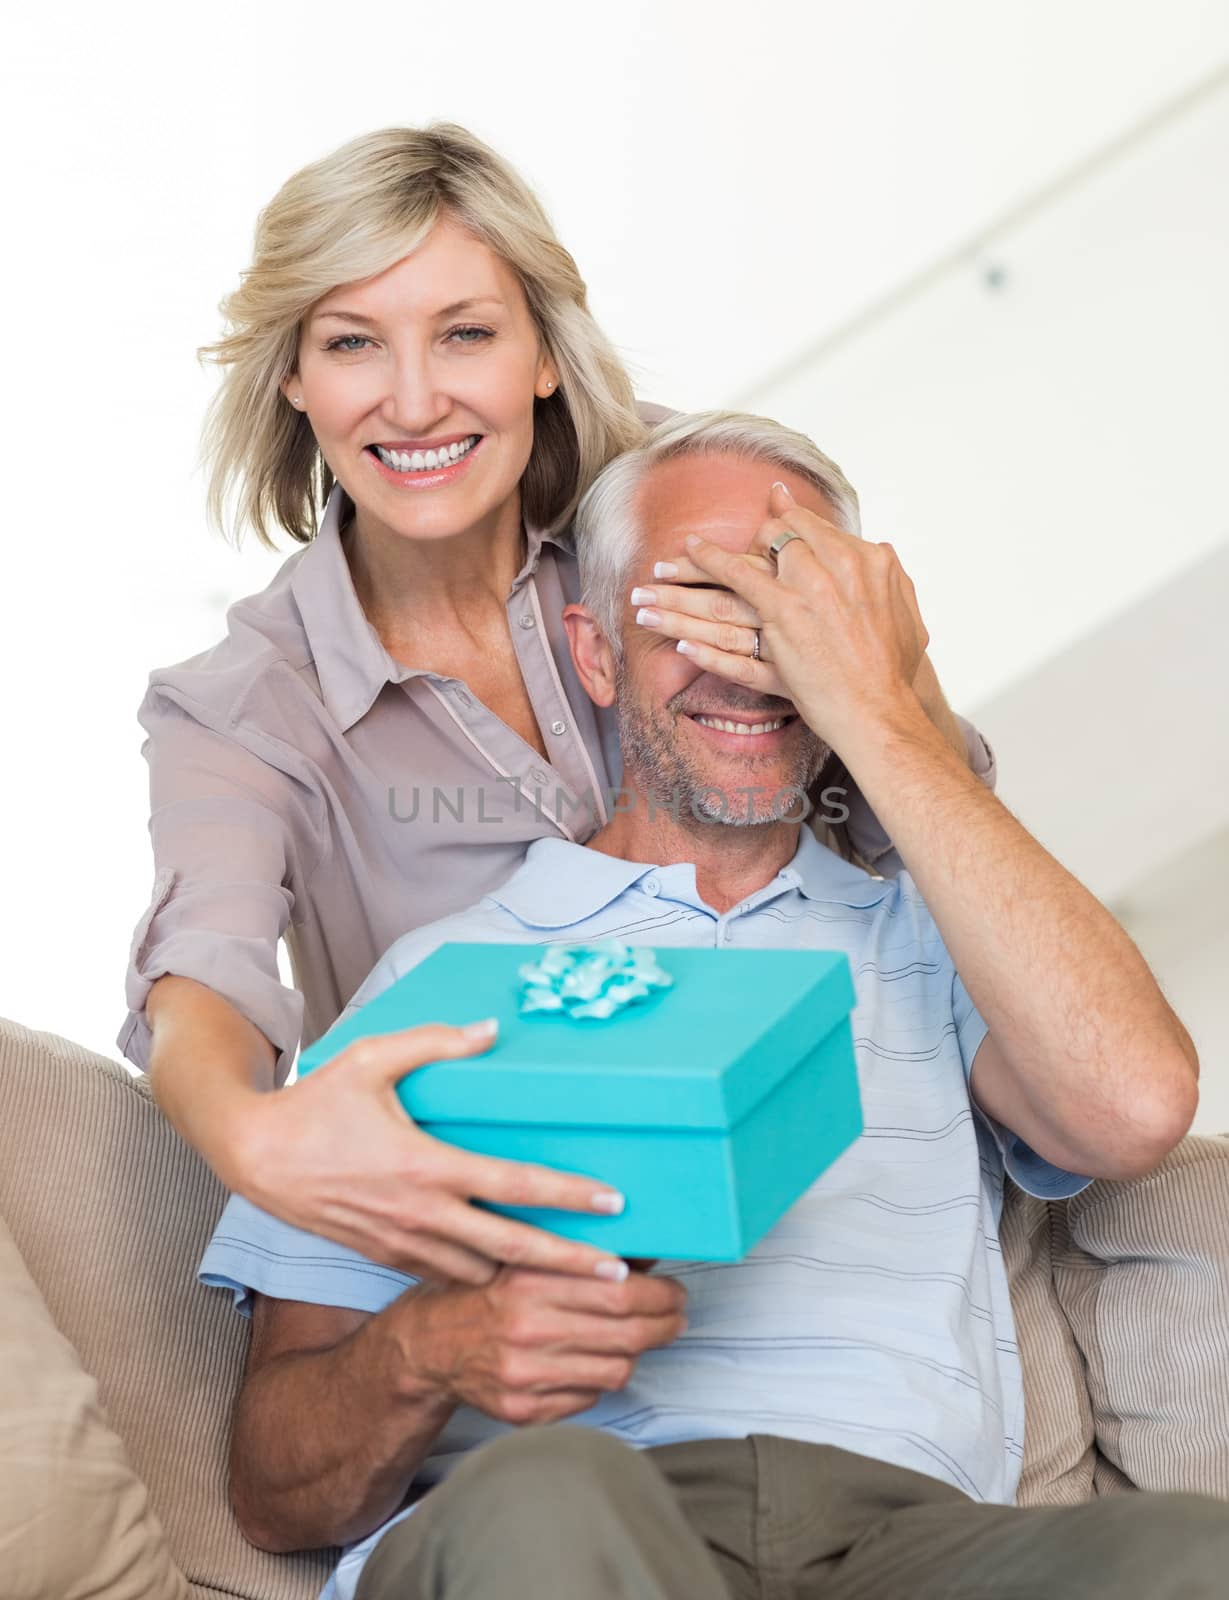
{"x": 570, "y": 1513}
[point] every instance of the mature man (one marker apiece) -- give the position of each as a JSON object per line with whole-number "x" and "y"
{"x": 840, "y": 1414}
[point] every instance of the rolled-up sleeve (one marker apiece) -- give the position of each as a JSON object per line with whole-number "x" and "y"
{"x": 862, "y": 826}
{"x": 222, "y": 826}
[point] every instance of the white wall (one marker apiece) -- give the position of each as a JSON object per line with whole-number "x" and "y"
{"x": 1114, "y": 754}
{"x": 1050, "y": 451}
{"x": 737, "y": 188}
{"x": 1177, "y": 917}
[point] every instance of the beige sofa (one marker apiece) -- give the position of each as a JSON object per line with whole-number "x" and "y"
{"x": 117, "y": 1370}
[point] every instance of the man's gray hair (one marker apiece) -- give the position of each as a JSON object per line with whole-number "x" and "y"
{"x": 608, "y": 534}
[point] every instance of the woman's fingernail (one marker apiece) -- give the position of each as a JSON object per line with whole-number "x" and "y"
{"x": 685, "y": 647}
{"x": 665, "y": 569}
{"x": 609, "y": 1200}
{"x": 615, "y": 1271}
{"x": 650, "y": 619}
{"x": 692, "y": 540}
{"x": 481, "y": 1030}
{"x": 644, "y": 597}
{"x": 783, "y": 489}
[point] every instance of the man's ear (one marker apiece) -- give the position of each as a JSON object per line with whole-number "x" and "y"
{"x": 591, "y": 653}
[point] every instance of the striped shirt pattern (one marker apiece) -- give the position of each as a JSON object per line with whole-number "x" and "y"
{"x": 875, "y": 1315}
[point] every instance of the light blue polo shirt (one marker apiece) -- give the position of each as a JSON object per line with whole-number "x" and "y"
{"x": 875, "y": 1315}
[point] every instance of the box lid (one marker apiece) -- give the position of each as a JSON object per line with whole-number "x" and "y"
{"x": 699, "y": 1054}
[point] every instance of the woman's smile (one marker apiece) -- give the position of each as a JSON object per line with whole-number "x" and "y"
{"x": 408, "y": 466}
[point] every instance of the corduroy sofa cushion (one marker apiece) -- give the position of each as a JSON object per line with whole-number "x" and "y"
{"x": 1141, "y": 1270}
{"x": 1060, "y": 1455}
{"x": 75, "y": 1520}
{"x": 112, "y": 1212}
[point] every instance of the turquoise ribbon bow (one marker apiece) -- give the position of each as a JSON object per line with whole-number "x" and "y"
{"x": 590, "y": 980}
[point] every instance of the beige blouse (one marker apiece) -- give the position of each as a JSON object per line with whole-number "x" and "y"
{"x": 306, "y": 786}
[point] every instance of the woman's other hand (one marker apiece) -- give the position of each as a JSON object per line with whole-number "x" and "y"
{"x": 337, "y": 1154}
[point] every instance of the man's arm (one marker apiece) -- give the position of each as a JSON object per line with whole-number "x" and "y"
{"x": 330, "y": 1426}
{"x": 862, "y": 835}
{"x": 1084, "y": 1060}
{"x": 340, "y": 1408}
{"x": 933, "y": 701}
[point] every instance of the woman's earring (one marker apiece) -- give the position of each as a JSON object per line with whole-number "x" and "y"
{"x": 297, "y": 401}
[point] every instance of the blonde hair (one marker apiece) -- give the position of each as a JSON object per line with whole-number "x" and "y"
{"x": 348, "y": 217}
{"x": 607, "y": 526}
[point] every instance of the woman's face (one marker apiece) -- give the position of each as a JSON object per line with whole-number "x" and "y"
{"x": 438, "y": 354}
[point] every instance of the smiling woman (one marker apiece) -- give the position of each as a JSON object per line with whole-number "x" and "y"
{"x": 413, "y": 390}
{"x": 395, "y": 340}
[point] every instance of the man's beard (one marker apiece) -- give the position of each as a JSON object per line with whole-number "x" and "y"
{"x": 674, "y": 781}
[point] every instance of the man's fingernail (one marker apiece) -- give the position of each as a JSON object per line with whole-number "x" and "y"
{"x": 685, "y": 647}
{"x": 614, "y": 1271}
{"x": 665, "y": 569}
{"x": 481, "y": 1030}
{"x": 692, "y": 540}
{"x": 608, "y": 1200}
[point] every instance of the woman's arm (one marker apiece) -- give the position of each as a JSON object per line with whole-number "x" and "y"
{"x": 207, "y": 1066}
{"x": 214, "y": 1025}
{"x": 337, "y": 1154}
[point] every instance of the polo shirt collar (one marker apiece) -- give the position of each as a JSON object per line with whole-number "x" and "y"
{"x": 560, "y": 884}
{"x": 820, "y": 874}
{"x": 351, "y": 662}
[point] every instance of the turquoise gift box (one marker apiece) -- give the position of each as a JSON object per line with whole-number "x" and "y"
{"x": 712, "y": 1105}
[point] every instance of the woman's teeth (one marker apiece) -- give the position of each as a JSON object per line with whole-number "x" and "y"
{"x": 426, "y": 460}
{"x": 743, "y": 727}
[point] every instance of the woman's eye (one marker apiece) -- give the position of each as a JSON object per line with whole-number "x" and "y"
{"x": 470, "y": 335}
{"x": 348, "y": 342}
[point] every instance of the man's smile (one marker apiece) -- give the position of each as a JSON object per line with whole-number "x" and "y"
{"x": 743, "y": 730}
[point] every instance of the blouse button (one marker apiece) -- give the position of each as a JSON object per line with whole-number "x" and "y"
{"x": 526, "y": 621}
{"x": 463, "y": 697}
{"x": 537, "y": 775}
{"x": 558, "y": 727}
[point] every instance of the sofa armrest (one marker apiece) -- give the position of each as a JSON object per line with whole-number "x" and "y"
{"x": 1141, "y": 1269}
{"x": 75, "y": 1520}
{"x": 111, "y": 1212}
